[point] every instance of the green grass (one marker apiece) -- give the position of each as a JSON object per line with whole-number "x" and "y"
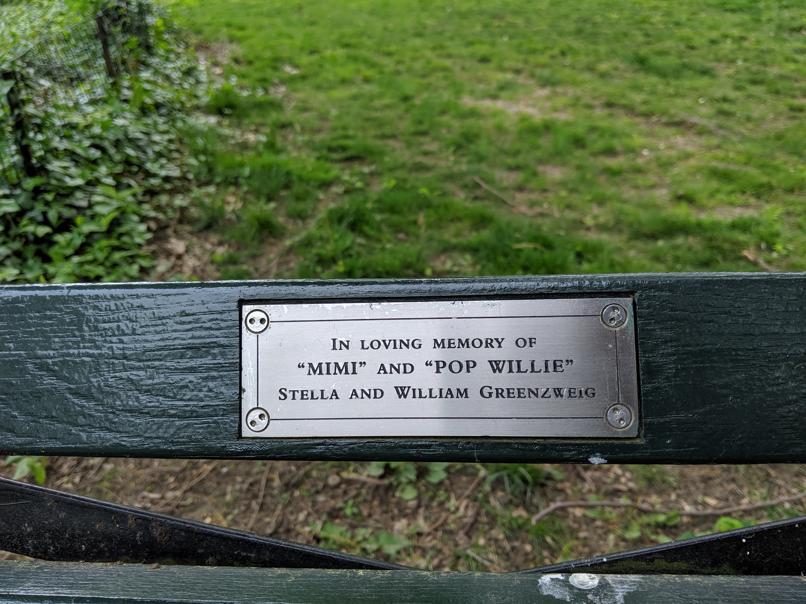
{"x": 616, "y": 136}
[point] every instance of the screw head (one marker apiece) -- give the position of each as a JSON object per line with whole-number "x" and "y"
{"x": 257, "y": 321}
{"x": 257, "y": 419}
{"x": 619, "y": 416}
{"x": 614, "y": 316}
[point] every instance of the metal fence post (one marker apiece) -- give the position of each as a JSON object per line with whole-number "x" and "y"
{"x": 19, "y": 124}
{"x": 143, "y": 31}
{"x": 103, "y": 36}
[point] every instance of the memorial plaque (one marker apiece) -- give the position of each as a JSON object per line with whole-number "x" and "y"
{"x": 532, "y": 368}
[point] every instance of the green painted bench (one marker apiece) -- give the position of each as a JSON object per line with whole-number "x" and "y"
{"x": 154, "y": 370}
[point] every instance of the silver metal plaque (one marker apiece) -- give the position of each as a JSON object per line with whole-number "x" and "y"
{"x": 558, "y": 367}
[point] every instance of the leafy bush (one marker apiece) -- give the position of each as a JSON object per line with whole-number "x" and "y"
{"x": 25, "y": 20}
{"x": 108, "y": 168}
{"x": 25, "y": 466}
{"x": 403, "y": 474}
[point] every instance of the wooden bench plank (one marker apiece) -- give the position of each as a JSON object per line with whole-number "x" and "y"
{"x": 59, "y": 582}
{"x": 153, "y": 369}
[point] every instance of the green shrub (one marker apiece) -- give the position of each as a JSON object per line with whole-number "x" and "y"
{"x": 106, "y": 170}
{"x": 26, "y": 465}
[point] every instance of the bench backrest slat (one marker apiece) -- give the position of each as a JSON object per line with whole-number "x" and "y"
{"x": 153, "y": 369}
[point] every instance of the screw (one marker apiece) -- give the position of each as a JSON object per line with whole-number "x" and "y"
{"x": 257, "y": 321}
{"x": 614, "y": 316}
{"x": 619, "y": 416}
{"x": 257, "y": 419}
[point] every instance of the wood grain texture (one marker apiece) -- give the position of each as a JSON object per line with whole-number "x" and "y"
{"x": 153, "y": 369}
{"x": 79, "y": 583}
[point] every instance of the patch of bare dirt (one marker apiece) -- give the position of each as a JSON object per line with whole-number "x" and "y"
{"x": 729, "y": 212}
{"x": 537, "y": 104}
{"x": 214, "y": 56}
{"x": 552, "y": 172}
{"x": 184, "y": 253}
{"x": 452, "y": 264}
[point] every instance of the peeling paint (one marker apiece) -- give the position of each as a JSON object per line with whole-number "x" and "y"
{"x": 555, "y": 586}
{"x": 597, "y": 589}
{"x": 620, "y": 586}
{"x": 596, "y": 460}
{"x": 584, "y": 580}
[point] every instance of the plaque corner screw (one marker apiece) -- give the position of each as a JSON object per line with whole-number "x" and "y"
{"x": 619, "y": 416}
{"x": 256, "y": 321}
{"x": 614, "y": 316}
{"x": 257, "y": 419}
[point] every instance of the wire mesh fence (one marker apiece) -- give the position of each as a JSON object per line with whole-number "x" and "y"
{"x": 75, "y": 66}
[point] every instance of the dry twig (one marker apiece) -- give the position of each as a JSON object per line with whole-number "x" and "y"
{"x": 751, "y": 256}
{"x": 291, "y": 482}
{"x": 648, "y": 509}
{"x": 260, "y": 497}
{"x": 359, "y": 478}
{"x": 494, "y": 192}
{"x": 490, "y": 565}
{"x": 176, "y": 499}
{"x": 469, "y": 491}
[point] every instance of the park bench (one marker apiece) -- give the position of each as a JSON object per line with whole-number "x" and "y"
{"x": 670, "y": 368}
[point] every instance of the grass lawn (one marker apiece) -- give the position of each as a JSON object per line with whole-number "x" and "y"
{"x": 434, "y": 138}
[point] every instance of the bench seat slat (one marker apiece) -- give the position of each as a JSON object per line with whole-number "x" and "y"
{"x": 36, "y": 582}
